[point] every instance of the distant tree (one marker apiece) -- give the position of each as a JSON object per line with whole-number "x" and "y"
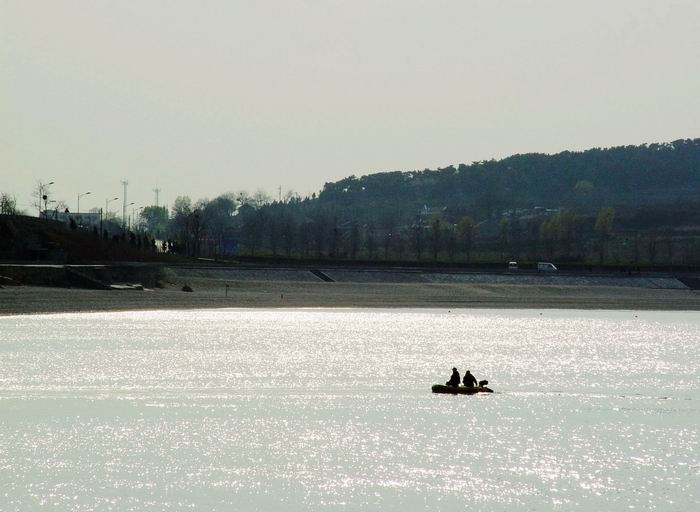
{"x": 319, "y": 228}
{"x": 503, "y": 230}
{"x": 196, "y": 225}
{"x": 533, "y": 234}
{"x": 417, "y": 240}
{"x": 515, "y": 236}
{"x": 467, "y": 230}
{"x": 335, "y": 239}
{"x": 8, "y": 204}
{"x": 290, "y": 197}
{"x": 305, "y": 237}
{"x": 550, "y": 231}
{"x": 253, "y": 228}
{"x": 219, "y": 214}
{"x": 604, "y": 230}
{"x": 59, "y": 206}
{"x": 450, "y": 238}
{"x": 435, "y": 233}
{"x": 354, "y": 240}
{"x": 569, "y": 226}
{"x": 388, "y": 223}
{"x": 370, "y": 240}
{"x": 288, "y": 230}
{"x": 155, "y": 220}
{"x": 260, "y": 198}
{"x": 180, "y": 224}
{"x": 399, "y": 242}
{"x": 40, "y": 196}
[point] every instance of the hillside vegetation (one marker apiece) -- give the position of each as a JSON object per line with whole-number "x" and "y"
{"x": 624, "y": 205}
{"x": 630, "y": 176}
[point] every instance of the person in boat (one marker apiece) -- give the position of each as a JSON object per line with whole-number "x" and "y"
{"x": 454, "y": 379}
{"x": 469, "y": 380}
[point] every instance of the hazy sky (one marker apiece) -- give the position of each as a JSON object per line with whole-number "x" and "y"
{"x": 203, "y": 97}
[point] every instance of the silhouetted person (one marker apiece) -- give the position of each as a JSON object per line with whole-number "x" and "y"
{"x": 454, "y": 380}
{"x": 469, "y": 380}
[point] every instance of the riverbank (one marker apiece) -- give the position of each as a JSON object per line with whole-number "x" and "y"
{"x": 212, "y": 293}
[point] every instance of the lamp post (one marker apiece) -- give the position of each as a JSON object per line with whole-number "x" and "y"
{"x": 107, "y": 201}
{"x": 79, "y": 196}
{"x": 124, "y": 223}
{"x": 44, "y": 196}
{"x": 78, "y": 209}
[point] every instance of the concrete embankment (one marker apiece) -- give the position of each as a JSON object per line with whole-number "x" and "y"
{"x": 215, "y": 287}
{"x": 418, "y": 276}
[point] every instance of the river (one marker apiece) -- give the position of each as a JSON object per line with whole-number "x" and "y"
{"x": 330, "y": 409}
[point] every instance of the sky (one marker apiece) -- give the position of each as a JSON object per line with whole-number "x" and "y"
{"x": 204, "y": 97}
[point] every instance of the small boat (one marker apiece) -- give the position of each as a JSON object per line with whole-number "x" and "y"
{"x": 460, "y": 390}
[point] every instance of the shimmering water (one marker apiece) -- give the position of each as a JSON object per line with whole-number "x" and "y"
{"x": 332, "y": 410}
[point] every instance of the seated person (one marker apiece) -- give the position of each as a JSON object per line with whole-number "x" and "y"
{"x": 469, "y": 380}
{"x": 454, "y": 379}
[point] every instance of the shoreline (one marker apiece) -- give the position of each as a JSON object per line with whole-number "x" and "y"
{"x": 212, "y": 294}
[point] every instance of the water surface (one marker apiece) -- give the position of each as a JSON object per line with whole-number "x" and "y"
{"x": 332, "y": 410}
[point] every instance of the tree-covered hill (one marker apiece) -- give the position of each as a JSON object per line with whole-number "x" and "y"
{"x": 620, "y": 176}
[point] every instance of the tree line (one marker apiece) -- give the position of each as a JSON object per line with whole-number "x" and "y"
{"x": 632, "y": 204}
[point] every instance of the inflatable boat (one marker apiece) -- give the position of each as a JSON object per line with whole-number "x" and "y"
{"x": 460, "y": 390}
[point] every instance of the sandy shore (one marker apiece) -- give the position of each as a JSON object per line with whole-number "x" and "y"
{"x": 211, "y": 293}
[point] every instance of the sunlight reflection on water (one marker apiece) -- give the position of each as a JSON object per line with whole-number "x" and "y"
{"x": 332, "y": 410}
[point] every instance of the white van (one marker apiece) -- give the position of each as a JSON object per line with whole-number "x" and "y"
{"x": 543, "y": 266}
{"x": 512, "y": 265}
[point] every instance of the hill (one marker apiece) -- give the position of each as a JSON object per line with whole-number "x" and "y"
{"x": 624, "y": 205}
{"x": 629, "y": 176}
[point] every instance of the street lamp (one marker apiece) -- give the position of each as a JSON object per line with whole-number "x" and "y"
{"x": 79, "y": 196}
{"x": 44, "y": 195}
{"x": 124, "y": 223}
{"x": 107, "y": 201}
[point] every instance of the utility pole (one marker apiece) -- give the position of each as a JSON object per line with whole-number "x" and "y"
{"x": 157, "y": 191}
{"x": 125, "y": 183}
{"x": 279, "y": 193}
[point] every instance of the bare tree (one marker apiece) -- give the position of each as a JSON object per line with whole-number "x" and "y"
{"x": 40, "y": 196}
{"x": 8, "y": 204}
